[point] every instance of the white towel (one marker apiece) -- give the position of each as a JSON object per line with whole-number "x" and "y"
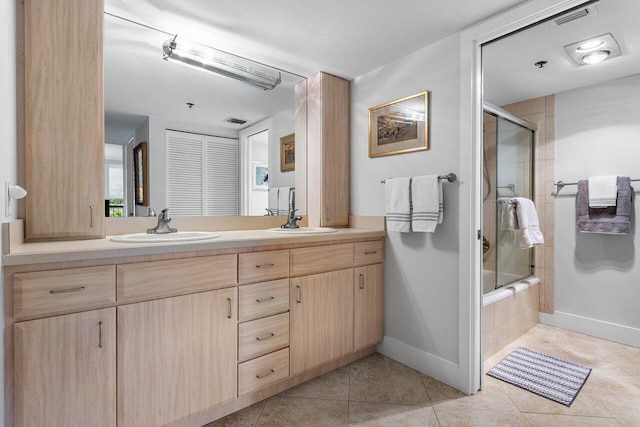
{"x": 398, "y": 204}
{"x": 505, "y": 221}
{"x": 273, "y": 201}
{"x": 283, "y": 200}
{"x": 426, "y": 196}
{"x": 603, "y": 191}
{"x": 528, "y": 226}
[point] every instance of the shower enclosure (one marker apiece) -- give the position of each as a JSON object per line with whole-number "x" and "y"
{"x": 508, "y": 148}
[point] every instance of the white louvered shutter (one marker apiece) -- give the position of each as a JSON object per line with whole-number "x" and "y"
{"x": 221, "y": 176}
{"x": 185, "y": 189}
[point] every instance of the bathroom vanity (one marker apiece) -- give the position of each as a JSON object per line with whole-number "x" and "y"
{"x": 99, "y": 332}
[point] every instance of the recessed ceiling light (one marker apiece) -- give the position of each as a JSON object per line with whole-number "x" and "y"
{"x": 595, "y": 57}
{"x": 593, "y": 50}
{"x": 590, "y": 45}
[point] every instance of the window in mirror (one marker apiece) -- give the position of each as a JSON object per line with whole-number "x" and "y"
{"x": 114, "y": 180}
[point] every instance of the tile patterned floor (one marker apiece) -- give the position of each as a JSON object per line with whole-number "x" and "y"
{"x": 376, "y": 391}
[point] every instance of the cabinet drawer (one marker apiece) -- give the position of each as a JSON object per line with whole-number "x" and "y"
{"x": 321, "y": 258}
{"x": 263, "y": 336}
{"x": 259, "y": 266}
{"x": 263, "y": 371}
{"x": 59, "y": 290}
{"x": 263, "y": 299}
{"x": 172, "y": 277}
{"x": 369, "y": 252}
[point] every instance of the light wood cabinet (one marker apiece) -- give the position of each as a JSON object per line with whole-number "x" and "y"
{"x": 317, "y": 259}
{"x": 63, "y": 119}
{"x": 367, "y": 306}
{"x": 176, "y": 357}
{"x": 65, "y": 370}
{"x": 328, "y": 151}
{"x": 321, "y": 311}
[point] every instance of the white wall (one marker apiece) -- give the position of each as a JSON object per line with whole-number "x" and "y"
{"x": 597, "y": 276}
{"x": 8, "y": 144}
{"x": 421, "y": 269}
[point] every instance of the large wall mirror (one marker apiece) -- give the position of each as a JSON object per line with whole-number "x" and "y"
{"x": 213, "y": 144}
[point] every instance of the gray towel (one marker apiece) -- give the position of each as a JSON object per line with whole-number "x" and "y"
{"x": 611, "y": 220}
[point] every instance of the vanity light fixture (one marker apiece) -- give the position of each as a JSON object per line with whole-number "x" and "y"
{"x": 205, "y": 58}
{"x": 593, "y": 50}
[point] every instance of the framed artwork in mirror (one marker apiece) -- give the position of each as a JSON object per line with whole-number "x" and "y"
{"x": 260, "y": 176}
{"x": 288, "y": 153}
{"x": 140, "y": 174}
{"x": 399, "y": 126}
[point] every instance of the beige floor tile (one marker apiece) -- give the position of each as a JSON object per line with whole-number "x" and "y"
{"x": 296, "y": 411}
{"x": 379, "y": 379}
{"x": 617, "y": 395}
{"x": 247, "y": 417}
{"x": 546, "y": 420}
{"x": 384, "y": 414}
{"x": 629, "y": 422}
{"x": 491, "y": 397}
{"x": 478, "y": 418}
{"x": 333, "y": 385}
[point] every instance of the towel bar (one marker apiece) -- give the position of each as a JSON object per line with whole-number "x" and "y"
{"x": 450, "y": 177}
{"x": 561, "y": 184}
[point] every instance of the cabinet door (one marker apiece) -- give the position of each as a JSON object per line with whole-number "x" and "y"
{"x": 63, "y": 118}
{"x": 65, "y": 370}
{"x": 176, "y": 357}
{"x": 367, "y": 306}
{"x": 321, "y": 312}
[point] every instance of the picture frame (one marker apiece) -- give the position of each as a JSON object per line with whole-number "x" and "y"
{"x": 260, "y": 176}
{"x": 288, "y": 153}
{"x": 141, "y": 189}
{"x": 400, "y": 126}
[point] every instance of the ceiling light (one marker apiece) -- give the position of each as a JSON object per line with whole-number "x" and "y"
{"x": 205, "y": 58}
{"x": 593, "y": 50}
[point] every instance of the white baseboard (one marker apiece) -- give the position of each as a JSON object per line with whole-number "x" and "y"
{"x": 597, "y": 328}
{"x": 427, "y": 363}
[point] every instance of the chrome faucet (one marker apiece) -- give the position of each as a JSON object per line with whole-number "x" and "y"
{"x": 163, "y": 224}
{"x": 292, "y": 219}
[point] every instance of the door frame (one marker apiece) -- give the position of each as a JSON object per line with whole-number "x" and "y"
{"x": 245, "y": 160}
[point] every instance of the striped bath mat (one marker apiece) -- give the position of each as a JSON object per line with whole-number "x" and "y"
{"x": 544, "y": 375}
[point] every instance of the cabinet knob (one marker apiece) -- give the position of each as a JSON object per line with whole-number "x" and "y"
{"x": 265, "y": 265}
{"x": 266, "y": 374}
{"x": 66, "y": 291}
{"x": 265, "y": 299}
{"x": 91, "y": 216}
{"x": 266, "y": 337}
{"x": 299, "y": 298}
{"x": 362, "y": 281}
{"x": 100, "y": 334}
{"x": 228, "y": 308}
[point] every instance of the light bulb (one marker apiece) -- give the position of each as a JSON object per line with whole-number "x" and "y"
{"x": 595, "y": 57}
{"x": 590, "y": 45}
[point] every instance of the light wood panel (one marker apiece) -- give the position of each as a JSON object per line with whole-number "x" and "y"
{"x": 368, "y": 252}
{"x": 321, "y": 319}
{"x": 321, "y": 258}
{"x": 46, "y": 292}
{"x": 263, "y": 299}
{"x": 260, "y": 266}
{"x": 367, "y": 306}
{"x": 164, "y": 278}
{"x": 66, "y": 370}
{"x": 63, "y": 119}
{"x": 262, "y": 336}
{"x": 263, "y": 371}
{"x": 176, "y": 357}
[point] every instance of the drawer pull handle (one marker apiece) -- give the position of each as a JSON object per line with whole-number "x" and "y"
{"x": 266, "y": 337}
{"x": 66, "y": 291}
{"x": 228, "y": 308}
{"x": 265, "y": 299}
{"x": 370, "y": 252}
{"x": 299, "y": 298}
{"x": 267, "y": 374}
{"x": 91, "y": 217}
{"x": 100, "y": 334}
{"x": 362, "y": 281}
{"x": 265, "y": 265}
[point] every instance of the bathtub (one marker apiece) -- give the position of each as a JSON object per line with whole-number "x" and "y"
{"x": 494, "y": 295}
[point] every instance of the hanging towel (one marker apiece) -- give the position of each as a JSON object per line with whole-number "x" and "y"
{"x": 611, "y": 220}
{"x": 426, "y": 197}
{"x": 529, "y": 233}
{"x": 511, "y": 217}
{"x": 273, "y": 201}
{"x": 283, "y": 200}
{"x": 603, "y": 191}
{"x": 398, "y": 204}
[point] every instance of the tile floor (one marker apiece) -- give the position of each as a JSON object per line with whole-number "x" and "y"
{"x": 376, "y": 391}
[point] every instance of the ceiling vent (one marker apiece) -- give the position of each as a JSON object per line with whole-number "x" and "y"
{"x": 234, "y": 121}
{"x": 573, "y": 15}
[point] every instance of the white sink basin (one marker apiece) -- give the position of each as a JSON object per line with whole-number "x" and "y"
{"x": 180, "y": 236}
{"x": 302, "y": 230}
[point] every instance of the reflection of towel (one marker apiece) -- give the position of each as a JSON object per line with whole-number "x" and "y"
{"x": 528, "y": 226}
{"x": 611, "y": 220}
{"x": 398, "y": 204}
{"x": 283, "y": 200}
{"x": 603, "y": 191}
{"x": 273, "y": 201}
{"x": 426, "y": 197}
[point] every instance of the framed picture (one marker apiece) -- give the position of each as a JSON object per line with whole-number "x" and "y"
{"x": 140, "y": 174}
{"x": 288, "y": 153}
{"x": 260, "y": 176}
{"x": 399, "y": 126}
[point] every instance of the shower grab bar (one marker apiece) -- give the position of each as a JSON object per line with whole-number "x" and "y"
{"x": 561, "y": 184}
{"x": 450, "y": 177}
